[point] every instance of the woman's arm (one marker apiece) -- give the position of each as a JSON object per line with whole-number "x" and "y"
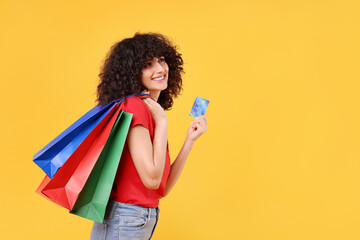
{"x": 178, "y": 165}
{"x": 149, "y": 157}
{"x": 198, "y": 127}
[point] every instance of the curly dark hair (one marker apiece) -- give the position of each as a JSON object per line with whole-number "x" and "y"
{"x": 121, "y": 72}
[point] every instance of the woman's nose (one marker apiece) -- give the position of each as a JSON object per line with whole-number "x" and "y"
{"x": 159, "y": 68}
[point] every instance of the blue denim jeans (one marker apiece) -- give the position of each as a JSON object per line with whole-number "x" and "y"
{"x": 126, "y": 221}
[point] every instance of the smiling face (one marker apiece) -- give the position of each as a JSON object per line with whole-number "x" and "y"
{"x": 155, "y": 75}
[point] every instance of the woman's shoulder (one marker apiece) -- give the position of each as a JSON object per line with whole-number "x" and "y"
{"x": 134, "y": 104}
{"x": 140, "y": 112}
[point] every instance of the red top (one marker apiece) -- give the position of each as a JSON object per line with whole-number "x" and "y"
{"x": 128, "y": 187}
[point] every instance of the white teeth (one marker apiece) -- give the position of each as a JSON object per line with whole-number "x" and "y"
{"x": 159, "y": 78}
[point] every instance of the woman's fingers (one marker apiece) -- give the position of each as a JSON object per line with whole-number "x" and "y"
{"x": 146, "y": 100}
{"x": 199, "y": 119}
{"x": 156, "y": 110}
{"x": 195, "y": 126}
{"x": 148, "y": 103}
{"x": 198, "y": 126}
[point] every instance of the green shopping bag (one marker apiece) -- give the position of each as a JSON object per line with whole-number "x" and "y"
{"x": 94, "y": 197}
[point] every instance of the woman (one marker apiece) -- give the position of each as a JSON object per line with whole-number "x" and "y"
{"x": 145, "y": 63}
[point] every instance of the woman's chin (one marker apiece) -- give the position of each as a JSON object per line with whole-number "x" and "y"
{"x": 158, "y": 88}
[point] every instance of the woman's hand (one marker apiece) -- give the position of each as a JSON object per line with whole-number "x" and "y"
{"x": 198, "y": 127}
{"x": 156, "y": 110}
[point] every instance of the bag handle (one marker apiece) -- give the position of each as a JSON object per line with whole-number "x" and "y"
{"x": 142, "y": 95}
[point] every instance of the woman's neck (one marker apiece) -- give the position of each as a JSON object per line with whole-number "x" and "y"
{"x": 154, "y": 95}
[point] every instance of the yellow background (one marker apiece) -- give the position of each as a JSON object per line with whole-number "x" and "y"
{"x": 280, "y": 159}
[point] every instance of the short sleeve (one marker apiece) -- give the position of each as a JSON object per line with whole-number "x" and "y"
{"x": 140, "y": 111}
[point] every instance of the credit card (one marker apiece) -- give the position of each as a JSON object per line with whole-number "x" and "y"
{"x": 199, "y": 107}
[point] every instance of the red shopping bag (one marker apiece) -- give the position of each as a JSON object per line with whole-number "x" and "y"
{"x": 43, "y": 183}
{"x": 66, "y": 185}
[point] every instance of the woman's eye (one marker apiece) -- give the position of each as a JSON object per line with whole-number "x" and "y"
{"x": 162, "y": 59}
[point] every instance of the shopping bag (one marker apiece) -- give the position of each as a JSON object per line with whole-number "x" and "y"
{"x": 43, "y": 183}
{"x": 64, "y": 188}
{"x": 94, "y": 197}
{"x": 54, "y": 154}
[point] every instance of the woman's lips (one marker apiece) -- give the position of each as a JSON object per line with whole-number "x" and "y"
{"x": 159, "y": 79}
